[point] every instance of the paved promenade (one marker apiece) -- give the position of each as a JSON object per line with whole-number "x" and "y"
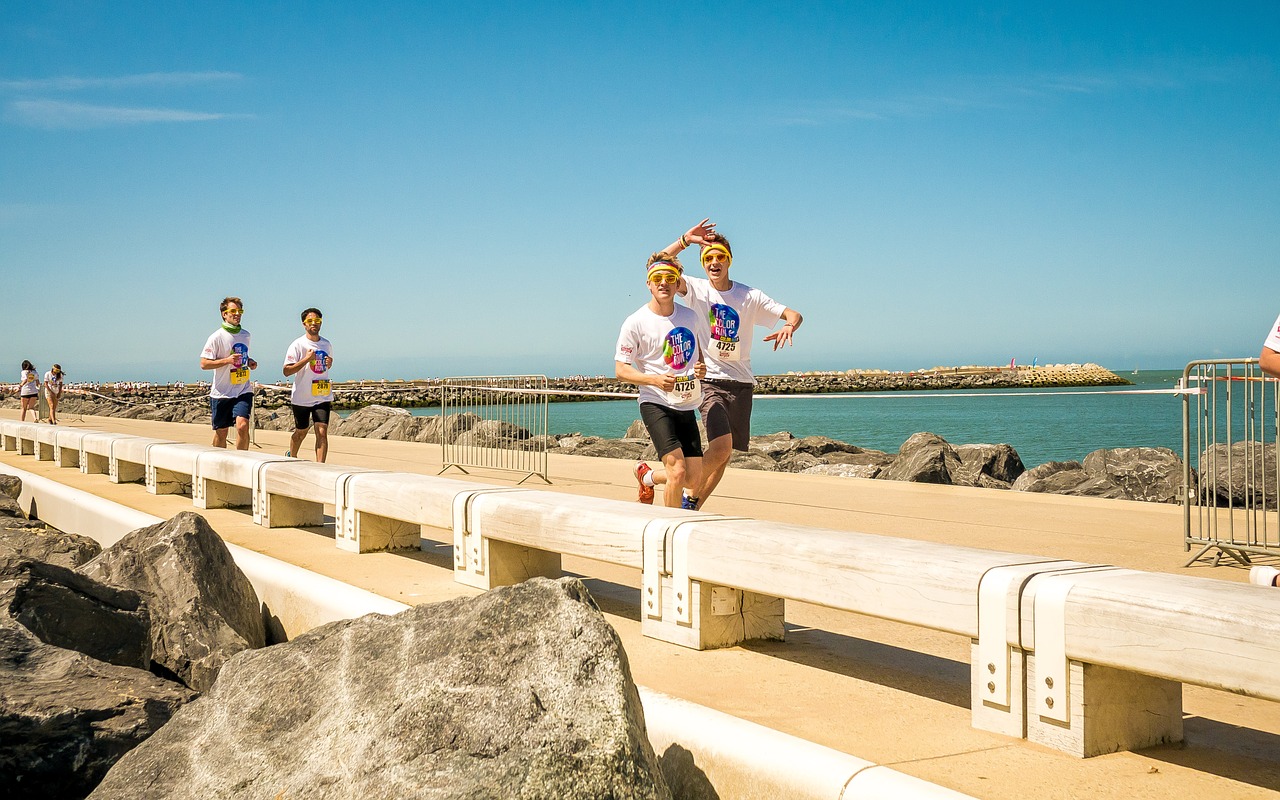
{"x": 882, "y": 691}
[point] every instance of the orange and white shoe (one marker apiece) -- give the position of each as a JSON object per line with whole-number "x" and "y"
{"x": 1264, "y": 576}
{"x": 646, "y": 491}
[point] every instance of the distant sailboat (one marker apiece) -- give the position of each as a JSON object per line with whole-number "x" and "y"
{"x": 1135, "y": 369}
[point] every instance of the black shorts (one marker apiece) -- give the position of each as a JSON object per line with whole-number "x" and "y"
{"x": 303, "y": 415}
{"x": 226, "y": 409}
{"x": 672, "y": 430}
{"x": 726, "y": 409}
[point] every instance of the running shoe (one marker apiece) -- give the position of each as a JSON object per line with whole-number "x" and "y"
{"x": 646, "y": 491}
{"x": 288, "y": 454}
{"x": 1263, "y": 576}
{"x": 689, "y": 503}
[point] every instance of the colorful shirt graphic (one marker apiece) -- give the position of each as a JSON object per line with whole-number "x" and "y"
{"x": 678, "y": 347}
{"x": 724, "y": 322}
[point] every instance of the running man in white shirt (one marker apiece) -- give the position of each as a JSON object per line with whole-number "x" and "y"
{"x": 231, "y": 394}
{"x": 660, "y": 349}
{"x": 307, "y": 361}
{"x": 732, "y": 310}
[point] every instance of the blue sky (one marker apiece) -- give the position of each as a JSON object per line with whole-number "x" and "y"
{"x": 473, "y": 188}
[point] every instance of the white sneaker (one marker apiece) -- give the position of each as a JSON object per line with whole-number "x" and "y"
{"x": 1263, "y": 576}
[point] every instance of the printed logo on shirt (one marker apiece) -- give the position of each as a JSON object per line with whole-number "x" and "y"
{"x": 677, "y": 348}
{"x": 322, "y": 362}
{"x": 240, "y": 367}
{"x": 724, "y": 323}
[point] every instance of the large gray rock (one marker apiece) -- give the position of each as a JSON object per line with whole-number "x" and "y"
{"x": 10, "y": 486}
{"x": 445, "y": 429}
{"x": 923, "y": 458}
{"x": 771, "y": 444}
{"x": 862, "y": 458}
{"x": 1226, "y": 471}
{"x": 1069, "y": 478}
{"x": 34, "y": 539}
{"x": 522, "y": 692}
{"x": 492, "y": 433}
{"x": 365, "y": 421}
{"x": 844, "y": 470}
{"x": 203, "y": 608}
{"x": 9, "y": 507}
{"x": 796, "y": 461}
{"x": 636, "y": 430}
{"x": 999, "y": 463}
{"x": 630, "y": 449}
{"x": 753, "y": 460}
{"x": 65, "y": 718}
{"x": 65, "y": 609}
{"x": 1153, "y": 474}
{"x": 397, "y": 428}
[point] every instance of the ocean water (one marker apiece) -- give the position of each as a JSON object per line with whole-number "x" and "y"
{"x": 1042, "y": 425}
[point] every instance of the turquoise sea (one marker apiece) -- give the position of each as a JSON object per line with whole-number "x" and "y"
{"x": 1042, "y": 425}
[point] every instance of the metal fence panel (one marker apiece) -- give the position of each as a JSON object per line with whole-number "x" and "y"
{"x": 1231, "y": 417}
{"x": 495, "y": 422}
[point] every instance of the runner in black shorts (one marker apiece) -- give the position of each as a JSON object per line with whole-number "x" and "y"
{"x": 732, "y": 311}
{"x": 307, "y": 361}
{"x": 660, "y": 350}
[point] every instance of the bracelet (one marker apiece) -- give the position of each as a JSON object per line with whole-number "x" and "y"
{"x": 683, "y": 243}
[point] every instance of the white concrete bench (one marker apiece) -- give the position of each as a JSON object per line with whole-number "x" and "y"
{"x": 293, "y": 493}
{"x": 95, "y": 451}
{"x": 46, "y": 442}
{"x": 128, "y": 458}
{"x": 388, "y": 510}
{"x": 171, "y": 468}
{"x": 9, "y": 434}
{"x": 225, "y": 477}
{"x": 66, "y": 447}
{"x": 20, "y": 437}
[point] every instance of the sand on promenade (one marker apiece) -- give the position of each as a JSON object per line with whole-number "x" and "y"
{"x": 882, "y": 691}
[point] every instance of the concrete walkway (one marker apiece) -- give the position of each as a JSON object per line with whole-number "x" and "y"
{"x": 882, "y": 691}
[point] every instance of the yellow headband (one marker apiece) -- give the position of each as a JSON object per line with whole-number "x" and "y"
{"x": 662, "y": 266}
{"x": 719, "y": 247}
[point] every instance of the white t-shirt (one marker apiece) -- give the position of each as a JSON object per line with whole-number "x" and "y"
{"x": 657, "y": 345}
{"x": 311, "y": 385}
{"x": 731, "y": 316}
{"x": 1273, "y": 338}
{"x": 52, "y": 384}
{"x": 229, "y": 381}
{"x": 30, "y": 384}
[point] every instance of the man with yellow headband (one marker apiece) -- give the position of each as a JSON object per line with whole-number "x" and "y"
{"x": 660, "y": 349}
{"x": 732, "y": 310}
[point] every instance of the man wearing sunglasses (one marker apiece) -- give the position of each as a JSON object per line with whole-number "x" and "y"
{"x": 731, "y": 310}
{"x": 660, "y": 349}
{"x": 231, "y": 395}
{"x": 307, "y": 361}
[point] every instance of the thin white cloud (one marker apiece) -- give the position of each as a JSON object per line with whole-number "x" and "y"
{"x": 141, "y": 80}
{"x": 56, "y": 114}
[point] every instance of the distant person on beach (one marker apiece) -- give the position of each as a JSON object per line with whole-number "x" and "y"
{"x": 1270, "y": 358}
{"x": 307, "y": 361}
{"x": 732, "y": 310}
{"x": 53, "y": 391}
{"x": 660, "y": 349}
{"x": 231, "y": 394}
{"x": 29, "y": 391}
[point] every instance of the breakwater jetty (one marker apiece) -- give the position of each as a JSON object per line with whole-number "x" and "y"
{"x": 425, "y": 393}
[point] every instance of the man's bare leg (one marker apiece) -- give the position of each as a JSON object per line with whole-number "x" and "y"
{"x": 715, "y": 460}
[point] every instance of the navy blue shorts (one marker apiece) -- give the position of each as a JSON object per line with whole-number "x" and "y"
{"x": 226, "y": 409}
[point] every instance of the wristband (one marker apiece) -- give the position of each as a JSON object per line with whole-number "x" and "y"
{"x": 683, "y": 241}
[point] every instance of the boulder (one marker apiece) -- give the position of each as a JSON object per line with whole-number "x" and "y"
{"x": 998, "y": 462}
{"x": 438, "y": 428}
{"x": 36, "y": 540}
{"x": 793, "y": 461}
{"x": 753, "y": 460}
{"x": 923, "y": 458}
{"x": 203, "y": 608}
{"x": 863, "y": 458}
{"x": 613, "y": 448}
{"x": 1066, "y": 477}
{"x": 844, "y": 470}
{"x": 65, "y": 609}
{"x": 570, "y": 443}
{"x": 10, "y": 486}
{"x": 636, "y": 430}
{"x": 366, "y": 420}
{"x": 492, "y": 433}
{"x": 1153, "y": 474}
{"x": 397, "y": 428}
{"x": 1225, "y": 471}
{"x": 65, "y": 718}
{"x": 822, "y": 446}
{"x": 771, "y": 444}
{"x": 523, "y": 691}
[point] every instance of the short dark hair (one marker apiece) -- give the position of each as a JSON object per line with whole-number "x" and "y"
{"x": 226, "y": 301}
{"x": 315, "y": 311}
{"x": 27, "y": 364}
{"x": 715, "y": 237}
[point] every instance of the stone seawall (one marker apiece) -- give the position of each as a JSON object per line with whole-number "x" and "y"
{"x": 426, "y": 393}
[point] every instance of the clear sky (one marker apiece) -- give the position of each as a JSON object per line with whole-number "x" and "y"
{"x": 473, "y": 188}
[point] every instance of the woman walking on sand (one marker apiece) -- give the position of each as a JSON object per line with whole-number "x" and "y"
{"x": 29, "y": 390}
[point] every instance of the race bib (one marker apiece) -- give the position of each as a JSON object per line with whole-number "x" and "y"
{"x": 319, "y": 388}
{"x": 727, "y": 350}
{"x": 687, "y": 390}
{"x": 239, "y": 376}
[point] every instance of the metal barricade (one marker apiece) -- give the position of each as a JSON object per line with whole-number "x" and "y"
{"x": 495, "y": 422}
{"x": 1231, "y": 416}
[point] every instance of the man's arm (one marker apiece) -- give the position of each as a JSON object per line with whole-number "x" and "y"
{"x": 296, "y": 367}
{"x": 1269, "y": 360}
{"x": 696, "y": 235}
{"x": 791, "y": 321}
{"x": 629, "y": 374}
